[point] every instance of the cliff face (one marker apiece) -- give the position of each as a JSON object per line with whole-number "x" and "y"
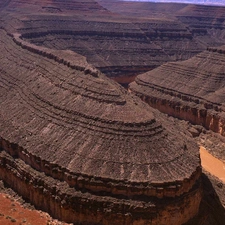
{"x": 79, "y": 146}
{"x": 205, "y": 23}
{"x": 118, "y": 47}
{"x": 192, "y": 90}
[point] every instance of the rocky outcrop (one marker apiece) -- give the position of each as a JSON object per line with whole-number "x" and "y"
{"x": 205, "y": 23}
{"x": 192, "y": 90}
{"x": 80, "y": 207}
{"x": 77, "y": 145}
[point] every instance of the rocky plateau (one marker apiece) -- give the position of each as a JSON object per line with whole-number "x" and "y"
{"x": 119, "y": 38}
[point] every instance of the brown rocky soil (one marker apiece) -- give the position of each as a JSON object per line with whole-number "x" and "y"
{"x": 14, "y": 210}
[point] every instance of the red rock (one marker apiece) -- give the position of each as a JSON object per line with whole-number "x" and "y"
{"x": 78, "y": 146}
{"x": 192, "y": 90}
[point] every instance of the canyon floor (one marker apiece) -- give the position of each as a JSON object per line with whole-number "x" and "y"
{"x": 15, "y": 210}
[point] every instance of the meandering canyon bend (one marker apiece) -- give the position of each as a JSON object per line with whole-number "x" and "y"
{"x": 78, "y": 145}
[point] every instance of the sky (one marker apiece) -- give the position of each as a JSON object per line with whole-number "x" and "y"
{"x": 204, "y": 2}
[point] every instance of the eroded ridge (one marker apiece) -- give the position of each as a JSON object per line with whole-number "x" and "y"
{"x": 90, "y": 151}
{"x": 192, "y": 90}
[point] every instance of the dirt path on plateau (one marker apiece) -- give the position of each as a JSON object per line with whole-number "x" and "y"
{"x": 212, "y": 164}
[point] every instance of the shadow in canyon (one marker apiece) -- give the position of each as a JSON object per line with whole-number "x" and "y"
{"x": 211, "y": 210}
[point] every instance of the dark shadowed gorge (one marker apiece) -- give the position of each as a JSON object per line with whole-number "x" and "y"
{"x": 65, "y": 126}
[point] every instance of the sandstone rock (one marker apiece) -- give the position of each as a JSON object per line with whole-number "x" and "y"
{"x": 192, "y": 90}
{"x": 82, "y": 148}
{"x": 122, "y": 39}
{"x": 194, "y": 132}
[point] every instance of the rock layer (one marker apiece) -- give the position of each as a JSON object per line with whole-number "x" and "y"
{"x": 115, "y": 47}
{"x": 192, "y": 90}
{"x": 77, "y": 145}
{"x": 54, "y": 6}
{"x": 122, "y": 39}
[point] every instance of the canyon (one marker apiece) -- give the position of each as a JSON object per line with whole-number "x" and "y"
{"x": 60, "y": 153}
{"x": 76, "y": 144}
{"x": 119, "y": 38}
{"x": 192, "y": 90}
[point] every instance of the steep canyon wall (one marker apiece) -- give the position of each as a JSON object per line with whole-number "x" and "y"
{"x": 192, "y": 90}
{"x": 122, "y": 39}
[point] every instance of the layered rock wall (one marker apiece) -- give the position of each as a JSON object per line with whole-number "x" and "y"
{"x": 92, "y": 153}
{"x": 80, "y": 207}
{"x": 117, "y": 47}
{"x": 96, "y": 185}
{"x": 204, "y": 116}
{"x": 56, "y": 6}
{"x": 192, "y": 90}
{"x": 124, "y": 40}
{"x": 68, "y": 58}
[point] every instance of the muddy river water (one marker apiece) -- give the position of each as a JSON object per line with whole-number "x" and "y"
{"x": 213, "y": 165}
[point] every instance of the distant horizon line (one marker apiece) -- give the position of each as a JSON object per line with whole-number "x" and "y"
{"x": 195, "y": 2}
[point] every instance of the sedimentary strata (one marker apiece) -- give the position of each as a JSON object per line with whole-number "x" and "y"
{"x": 53, "y": 6}
{"x": 122, "y": 39}
{"x": 192, "y": 90}
{"x": 205, "y": 23}
{"x": 115, "y": 47}
{"x": 78, "y": 146}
